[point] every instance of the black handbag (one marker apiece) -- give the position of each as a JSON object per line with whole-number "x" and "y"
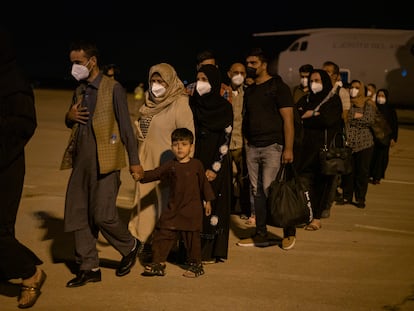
{"x": 336, "y": 159}
{"x": 288, "y": 200}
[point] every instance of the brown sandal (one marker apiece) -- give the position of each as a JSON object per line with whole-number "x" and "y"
{"x": 194, "y": 270}
{"x": 29, "y": 294}
{"x": 313, "y": 227}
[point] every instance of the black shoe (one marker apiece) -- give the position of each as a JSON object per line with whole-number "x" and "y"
{"x": 326, "y": 213}
{"x": 129, "y": 260}
{"x": 83, "y": 277}
{"x": 360, "y": 204}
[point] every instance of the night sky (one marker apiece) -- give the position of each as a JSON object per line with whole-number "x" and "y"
{"x": 136, "y": 36}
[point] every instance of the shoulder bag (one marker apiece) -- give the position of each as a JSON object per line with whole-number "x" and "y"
{"x": 336, "y": 159}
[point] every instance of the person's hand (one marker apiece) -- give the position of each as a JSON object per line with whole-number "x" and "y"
{"x": 78, "y": 113}
{"x": 358, "y": 115}
{"x": 287, "y": 156}
{"x": 310, "y": 114}
{"x": 137, "y": 172}
{"x": 207, "y": 208}
{"x": 210, "y": 175}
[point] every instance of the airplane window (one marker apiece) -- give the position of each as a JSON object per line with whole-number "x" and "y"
{"x": 294, "y": 47}
{"x": 304, "y": 45}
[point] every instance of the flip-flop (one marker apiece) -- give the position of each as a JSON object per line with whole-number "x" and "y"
{"x": 312, "y": 227}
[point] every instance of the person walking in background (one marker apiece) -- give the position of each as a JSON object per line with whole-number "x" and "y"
{"x": 17, "y": 126}
{"x": 372, "y": 91}
{"x": 361, "y": 140}
{"x": 183, "y": 215}
{"x": 203, "y": 58}
{"x": 316, "y": 124}
{"x": 337, "y": 87}
{"x": 302, "y": 89}
{"x": 101, "y": 130}
{"x": 269, "y": 134}
{"x": 111, "y": 70}
{"x": 213, "y": 119}
{"x": 241, "y": 197}
{"x": 165, "y": 108}
{"x": 334, "y": 73}
{"x": 380, "y": 156}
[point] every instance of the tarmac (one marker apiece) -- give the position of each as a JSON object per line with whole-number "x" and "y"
{"x": 361, "y": 259}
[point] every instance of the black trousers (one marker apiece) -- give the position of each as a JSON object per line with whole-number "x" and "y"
{"x": 16, "y": 260}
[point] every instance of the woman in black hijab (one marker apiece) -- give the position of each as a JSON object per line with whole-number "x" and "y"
{"x": 213, "y": 120}
{"x": 17, "y": 126}
{"x": 329, "y": 117}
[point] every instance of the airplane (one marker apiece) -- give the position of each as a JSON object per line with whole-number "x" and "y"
{"x": 384, "y": 57}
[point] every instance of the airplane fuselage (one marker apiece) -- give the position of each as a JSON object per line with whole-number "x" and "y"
{"x": 381, "y": 56}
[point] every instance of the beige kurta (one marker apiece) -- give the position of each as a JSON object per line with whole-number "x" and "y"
{"x": 153, "y": 150}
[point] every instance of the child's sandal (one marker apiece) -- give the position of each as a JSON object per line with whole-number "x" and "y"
{"x": 154, "y": 269}
{"x": 194, "y": 270}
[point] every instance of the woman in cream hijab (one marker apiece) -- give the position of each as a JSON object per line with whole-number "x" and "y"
{"x": 166, "y": 108}
{"x": 360, "y": 139}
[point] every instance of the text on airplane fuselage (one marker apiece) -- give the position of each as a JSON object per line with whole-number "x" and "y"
{"x": 364, "y": 45}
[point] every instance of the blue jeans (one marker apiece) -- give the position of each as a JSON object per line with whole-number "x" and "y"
{"x": 263, "y": 163}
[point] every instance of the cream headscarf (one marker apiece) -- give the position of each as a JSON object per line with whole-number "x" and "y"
{"x": 175, "y": 89}
{"x": 361, "y": 98}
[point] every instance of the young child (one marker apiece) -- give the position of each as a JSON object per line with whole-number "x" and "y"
{"x": 189, "y": 187}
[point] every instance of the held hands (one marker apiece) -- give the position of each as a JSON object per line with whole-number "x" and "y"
{"x": 78, "y": 113}
{"x": 137, "y": 172}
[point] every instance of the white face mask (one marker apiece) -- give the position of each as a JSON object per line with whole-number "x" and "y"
{"x": 80, "y": 72}
{"x": 304, "y": 82}
{"x": 203, "y": 87}
{"x": 369, "y": 93}
{"x": 316, "y": 87}
{"x": 237, "y": 79}
{"x": 381, "y": 100}
{"x": 353, "y": 92}
{"x": 157, "y": 89}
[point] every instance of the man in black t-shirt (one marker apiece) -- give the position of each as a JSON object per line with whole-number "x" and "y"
{"x": 268, "y": 127}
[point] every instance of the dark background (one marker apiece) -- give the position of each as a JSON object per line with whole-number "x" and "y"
{"x": 136, "y": 35}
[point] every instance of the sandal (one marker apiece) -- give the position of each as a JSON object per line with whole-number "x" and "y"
{"x": 195, "y": 270}
{"x": 154, "y": 269}
{"x": 29, "y": 294}
{"x": 313, "y": 227}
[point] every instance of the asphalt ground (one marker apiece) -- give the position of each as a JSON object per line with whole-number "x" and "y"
{"x": 361, "y": 259}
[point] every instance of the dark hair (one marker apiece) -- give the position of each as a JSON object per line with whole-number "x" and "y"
{"x": 89, "y": 48}
{"x": 203, "y": 55}
{"x": 306, "y": 68}
{"x": 260, "y": 54}
{"x": 182, "y": 133}
{"x": 115, "y": 67}
{"x": 335, "y": 66}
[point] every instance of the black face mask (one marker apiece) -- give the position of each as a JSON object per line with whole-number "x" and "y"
{"x": 251, "y": 72}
